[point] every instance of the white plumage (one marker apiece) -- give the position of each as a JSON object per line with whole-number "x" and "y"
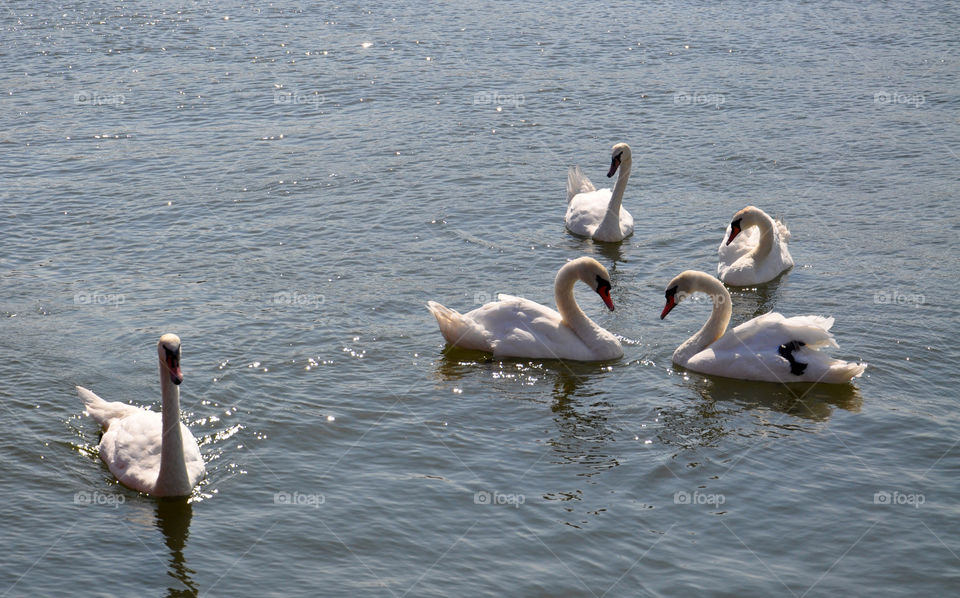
{"x": 769, "y": 348}
{"x": 134, "y": 445}
{"x": 518, "y": 327}
{"x": 753, "y": 249}
{"x": 599, "y": 214}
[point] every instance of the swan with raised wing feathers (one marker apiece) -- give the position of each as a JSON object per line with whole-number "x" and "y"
{"x": 599, "y": 214}
{"x": 753, "y": 249}
{"x": 149, "y": 451}
{"x": 768, "y": 348}
{"x": 518, "y": 327}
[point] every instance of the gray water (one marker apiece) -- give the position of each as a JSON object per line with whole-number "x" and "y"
{"x": 285, "y": 186}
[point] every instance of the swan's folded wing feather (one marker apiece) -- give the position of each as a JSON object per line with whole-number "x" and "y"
{"x": 131, "y": 449}
{"x": 769, "y": 331}
{"x": 577, "y": 183}
{"x": 782, "y": 230}
{"x": 521, "y": 327}
{"x": 586, "y": 211}
{"x": 751, "y": 351}
{"x": 191, "y": 456}
{"x": 103, "y": 411}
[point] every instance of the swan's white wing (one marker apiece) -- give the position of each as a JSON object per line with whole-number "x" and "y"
{"x": 773, "y": 329}
{"x": 191, "y": 456}
{"x": 752, "y": 351}
{"x": 577, "y": 183}
{"x": 131, "y": 449}
{"x": 104, "y": 411}
{"x": 585, "y": 211}
{"x": 614, "y": 231}
{"x": 519, "y": 327}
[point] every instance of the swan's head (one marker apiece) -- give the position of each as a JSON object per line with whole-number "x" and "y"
{"x": 745, "y": 218}
{"x": 168, "y": 350}
{"x": 619, "y": 155}
{"x": 682, "y": 286}
{"x": 596, "y": 276}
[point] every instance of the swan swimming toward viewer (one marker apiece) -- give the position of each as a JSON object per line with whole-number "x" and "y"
{"x": 149, "y": 451}
{"x": 518, "y": 327}
{"x": 600, "y": 214}
{"x": 753, "y": 249}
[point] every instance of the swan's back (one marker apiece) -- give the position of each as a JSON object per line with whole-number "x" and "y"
{"x": 758, "y": 349}
{"x": 516, "y": 327}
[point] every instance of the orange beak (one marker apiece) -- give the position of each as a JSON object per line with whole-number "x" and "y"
{"x": 604, "y": 293}
{"x": 671, "y": 303}
{"x": 734, "y": 231}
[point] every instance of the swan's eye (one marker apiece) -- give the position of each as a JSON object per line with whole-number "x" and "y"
{"x": 736, "y": 223}
{"x": 672, "y": 291}
{"x": 602, "y": 283}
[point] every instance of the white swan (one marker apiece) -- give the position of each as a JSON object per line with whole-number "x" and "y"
{"x": 753, "y": 249}
{"x": 518, "y": 327}
{"x": 149, "y": 451}
{"x": 600, "y": 214}
{"x": 769, "y": 348}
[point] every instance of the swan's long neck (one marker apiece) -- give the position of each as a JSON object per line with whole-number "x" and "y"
{"x": 765, "y": 246}
{"x": 588, "y": 331}
{"x": 715, "y": 326}
{"x": 173, "y": 479}
{"x": 616, "y": 200}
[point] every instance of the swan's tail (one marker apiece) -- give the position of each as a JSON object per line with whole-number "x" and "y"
{"x": 457, "y": 330}
{"x": 814, "y": 331}
{"x": 103, "y": 411}
{"x": 844, "y": 371}
{"x": 577, "y": 183}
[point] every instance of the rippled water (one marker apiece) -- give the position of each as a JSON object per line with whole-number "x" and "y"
{"x": 285, "y": 186}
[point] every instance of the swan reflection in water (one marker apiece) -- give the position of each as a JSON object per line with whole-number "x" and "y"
{"x": 806, "y": 400}
{"x": 173, "y": 520}
{"x": 580, "y": 411}
{"x": 720, "y": 407}
{"x": 751, "y": 302}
